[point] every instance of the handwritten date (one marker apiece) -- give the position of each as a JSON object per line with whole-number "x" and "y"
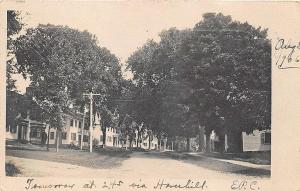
{"x": 287, "y": 54}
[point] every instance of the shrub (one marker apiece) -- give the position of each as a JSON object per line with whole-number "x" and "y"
{"x": 11, "y": 169}
{"x": 95, "y": 142}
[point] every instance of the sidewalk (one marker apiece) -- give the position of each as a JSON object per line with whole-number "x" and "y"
{"x": 232, "y": 161}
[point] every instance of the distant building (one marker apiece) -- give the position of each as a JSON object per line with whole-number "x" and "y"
{"x": 23, "y": 123}
{"x": 257, "y": 141}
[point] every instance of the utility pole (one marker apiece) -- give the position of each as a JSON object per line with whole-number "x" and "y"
{"x": 91, "y": 118}
{"x": 82, "y": 129}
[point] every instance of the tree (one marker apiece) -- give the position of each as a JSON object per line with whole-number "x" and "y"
{"x": 216, "y": 75}
{"x": 14, "y": 26}
{"x": 62, "y": 64}
{"x": 127, "y": 130}
{"x": 229, "y": 65}
{"x": 160, "y": 94}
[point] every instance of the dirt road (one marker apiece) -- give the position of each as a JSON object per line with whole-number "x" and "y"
{"x": 139, "y": 164}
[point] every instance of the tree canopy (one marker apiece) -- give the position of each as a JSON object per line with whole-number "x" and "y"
{"x": 217, "y": 75}
{"x": 62, "y": 64}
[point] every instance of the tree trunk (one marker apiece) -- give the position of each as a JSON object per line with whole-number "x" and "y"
{"x": 130, "y": 143}
{"x": 138, "y": 140}
{"x": 104, "y": 137}
{"x": 201, "y": 139}
{"x": 159, "y": 143}
{"x": 48, "y": 138}
{"x": 149, "y": 142}
{"x": 57, "y": 139}
{"x": 207, "y": 146}
{"x": 188, "y": 144}
{"x": 235, "y": 141}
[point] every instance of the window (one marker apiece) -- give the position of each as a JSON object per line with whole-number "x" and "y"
{"x": 86, "y": 126}
{"x": 73, "y": 136}
{"x": 79, "y": 124}
{"x": 52, "y": 135}
{"x": 85, "y": 138}
{"x": 266, "y": 138}
{"x": 109, "y": 139}
{"x": 13, "y": 128}
{"x": 71, "y": 122}
{"x": 64, "y": 135}
{"x": 75, "y": 123}
{"x": 35, "y": 133}
{"x": 145, "y": 144}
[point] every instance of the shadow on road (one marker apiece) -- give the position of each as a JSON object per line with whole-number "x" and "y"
{"x": 99, "y": 159}
{"x": 208, "y": 163}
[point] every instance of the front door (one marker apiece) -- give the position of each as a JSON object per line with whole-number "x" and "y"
{"x": 115, "y": 141}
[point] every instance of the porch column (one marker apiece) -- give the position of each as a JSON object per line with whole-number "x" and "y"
{"x": 226, "y": 143}
{"x": 28, "y": 132}
{"x": 22, "y": 132}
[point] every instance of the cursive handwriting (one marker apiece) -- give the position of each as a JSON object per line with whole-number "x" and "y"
{"x": 244, "y": 185}
{"x": 112, "y": 185}
{"x": 138, "y": 185}
{"x": 90, "y": 185}
{"x": 288, "y": 54}
{"x": 161, "y": 184}
{"x": 31, "y": 185}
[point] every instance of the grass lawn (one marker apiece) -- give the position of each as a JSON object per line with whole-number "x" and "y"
{"x": 100, "y": 158}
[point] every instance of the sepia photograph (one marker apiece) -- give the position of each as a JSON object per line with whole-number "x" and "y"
{"x": 117, "y": 89}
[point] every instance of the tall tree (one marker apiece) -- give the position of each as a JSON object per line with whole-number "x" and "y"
{"x": 229, "y": 65}
{"x": 62, "y": 64}
{"x": 216, "y": 75}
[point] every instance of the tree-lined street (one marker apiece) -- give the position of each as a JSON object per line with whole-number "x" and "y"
{"x": 75, "y": 163}
{"x": 202, "y": 88}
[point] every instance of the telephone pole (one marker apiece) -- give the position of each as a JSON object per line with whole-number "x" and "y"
{"x": 82, "y": 128}
{"x": 91, "y": 118}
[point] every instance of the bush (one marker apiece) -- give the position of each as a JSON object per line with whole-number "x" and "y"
{"x": 73, "y": 145}
{"x": 95, "y": 142}
{"x": 11, "y": 169}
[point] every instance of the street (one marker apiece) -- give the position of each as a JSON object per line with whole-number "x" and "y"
{"x": 36, "y": 163}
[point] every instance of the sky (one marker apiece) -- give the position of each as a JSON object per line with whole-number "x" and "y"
{"x": 123, "y": 26}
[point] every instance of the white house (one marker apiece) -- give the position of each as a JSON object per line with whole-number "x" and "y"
{"x": 71, "y": 132}
{"x": 257, "y": 141}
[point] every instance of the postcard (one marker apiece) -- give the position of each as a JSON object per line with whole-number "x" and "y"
{"x": 150, "y": 95}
